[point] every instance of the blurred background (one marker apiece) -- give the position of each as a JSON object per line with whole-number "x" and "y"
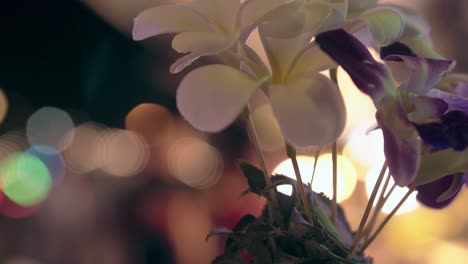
{"x": 110, "y": 172}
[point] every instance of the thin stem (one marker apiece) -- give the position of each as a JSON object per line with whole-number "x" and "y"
{"x": 333, "y": 77}
{"x": 385, "y": 221}
{"x": 335, "y": 183}
{"x": 261, "y": 159}
{"x": 378, "y": 208}
{"x": 317, "y": 154}
{"x": 291, "y": 152}
{"x": 258, "y": 151}
{"x": 357, "y": 237}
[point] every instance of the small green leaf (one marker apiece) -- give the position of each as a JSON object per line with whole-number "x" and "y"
{"x": 254, "y": 175}
{"x": 220, "y": 231}
{"x": 244, "y": 223}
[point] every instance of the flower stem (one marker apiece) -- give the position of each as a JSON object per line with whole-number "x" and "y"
{"x": 258, "y": 151}
{"x": 385, "y": 221}
{"x": 378, "y": 207}
{"x": 291, "y": 152}
{"x": 335, "y": 183}
{"x": 261, "y": 159}
{"x": 317, "y": 154}
{"x": 357, "y": 237}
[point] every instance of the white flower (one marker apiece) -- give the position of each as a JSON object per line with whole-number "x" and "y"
{"x": 307, "y": 105}
{"x": 204, "y": 27}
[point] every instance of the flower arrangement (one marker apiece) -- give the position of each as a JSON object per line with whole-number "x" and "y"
{"x": 422, "y": 109}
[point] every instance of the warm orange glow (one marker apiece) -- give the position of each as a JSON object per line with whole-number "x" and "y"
{"x": 323, "y": 181}
{"x": 195, "y": 162}
{"x": 122, "y": 153}
{"x": 396, "y": 196}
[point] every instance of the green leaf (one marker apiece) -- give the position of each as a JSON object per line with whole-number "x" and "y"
{"x": 221, "y": 231}
{"x": 254, "y": 175}
{"x": 244, "y": 223}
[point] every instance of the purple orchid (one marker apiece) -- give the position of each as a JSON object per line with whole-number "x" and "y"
{"x": 419, "y": 124}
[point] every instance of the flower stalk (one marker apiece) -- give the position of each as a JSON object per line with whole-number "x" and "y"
{"x": 291, "y": 152}
{"x": 385, "y": 221}
{"x": 365, "y": 216}
{"x": 335, "y": 184}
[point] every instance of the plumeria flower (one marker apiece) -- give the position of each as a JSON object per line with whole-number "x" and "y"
{"x": 399, "y": 111}
{"x": 203, "y": 27}
{"x": 211, "y": 97}
{"x": 307, "y": 105}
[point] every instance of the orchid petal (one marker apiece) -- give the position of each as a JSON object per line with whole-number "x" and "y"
{"x": 435, "y": 165}
{"x": 370, "y": 76}
{"x": 455, "y": 102}
{"x": 440, "y": 193}
{"x": 211, "y": 97}
{"x": 426, "y": 108}
{"x": 167, "y": 19}
{"x": 385, "y": 24}
{"x": 310, "y": 111}
{"x": 425, "y": 72}
{"x": 359, "y": 6}
{"x": 450, "y": 131}
{"x": 402, "y": 146}
{"x": 462, "y": 89}
{"x": 421, "y": 46}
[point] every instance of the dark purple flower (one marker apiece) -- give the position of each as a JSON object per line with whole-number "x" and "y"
{"x": 368, "y": 74}
{"x": 439, "y": 193}
{"x": 403, "y": 112}
{"x": 450, "y": 132}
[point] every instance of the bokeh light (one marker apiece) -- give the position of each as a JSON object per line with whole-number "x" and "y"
{"x": 48, "y": 126}
{"x": 51, "y": 158}
{"x": 152, "y": 121}
{"x": 3, "y": 105}
{"x": 364, "y": 147}
{"x": 12, "y": 210}
{"x": 80, "y": 156}
{"x": 13, "y": 141}
{"x": 323, "y": 180}
{"x": 25, "y": 179}
{"x": 399, "y": 192}
{"x": 195, "y": 162}
{"x": 122, "y": 153}
{"x": 453, "y": 253}
{"x": 359, "y": 106}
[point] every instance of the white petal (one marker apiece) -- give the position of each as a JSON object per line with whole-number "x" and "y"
{"x": 282, "y": 51}
{"x": 211, "y": 97}
{"x": 222, "y": 13}
{"x": 167, "y": 19}
{"x": 298, "y": 18}
{"x": 310, "y": 111}
{"x": 252, "y": 11}
{"x": 183, "y": 62}
{"x": 310, "y": 60}
{"x": 200, "y": 42}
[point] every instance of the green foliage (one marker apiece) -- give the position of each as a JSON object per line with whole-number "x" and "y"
{"x": 287, "y": 237}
